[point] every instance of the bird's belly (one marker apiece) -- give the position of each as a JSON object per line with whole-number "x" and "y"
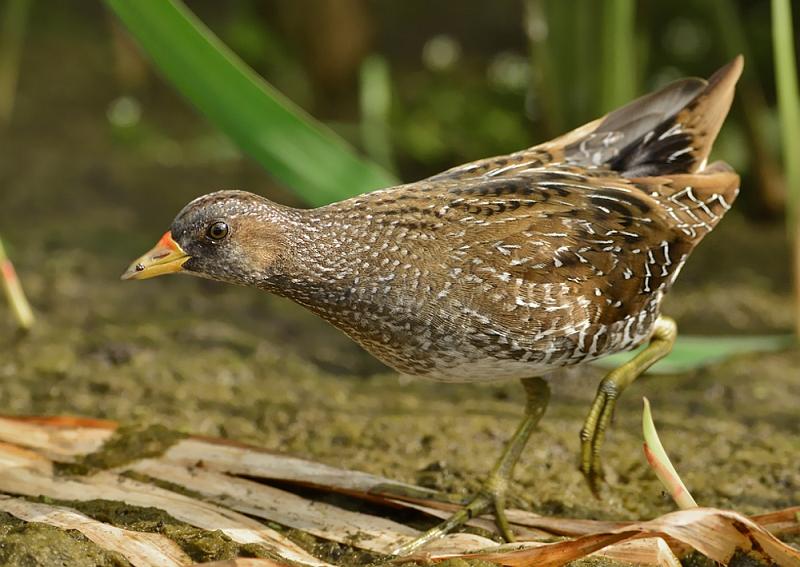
{"x": 491, "y": 357}
{"x": 486, "y": 369}
{"x": 434, "y": 344}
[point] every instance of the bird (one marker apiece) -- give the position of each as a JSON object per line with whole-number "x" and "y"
{"x": 509, "y": 267}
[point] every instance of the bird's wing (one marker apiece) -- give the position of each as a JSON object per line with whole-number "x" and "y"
{"x": 605, "y": 238}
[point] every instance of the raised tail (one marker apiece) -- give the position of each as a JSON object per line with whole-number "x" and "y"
{"x": 667, "y": 132}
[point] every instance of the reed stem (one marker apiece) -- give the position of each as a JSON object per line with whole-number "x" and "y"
{"x": 13, "y": 21}
{"x": 789, "y": 112}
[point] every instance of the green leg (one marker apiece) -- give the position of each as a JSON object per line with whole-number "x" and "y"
{"x": 492, "y": 494}
{"x": 661, "y": 342}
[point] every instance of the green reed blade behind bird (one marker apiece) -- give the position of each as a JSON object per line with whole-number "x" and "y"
{"x": 302, "y": 153}
{"x": 691, "y": 352}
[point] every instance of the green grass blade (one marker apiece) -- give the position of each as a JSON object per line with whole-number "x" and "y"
{"x": 544, "y": 76}
{"x": 300, "y": 152}
{"x": 618, "y": 83}
{"x": 693, "y": 352}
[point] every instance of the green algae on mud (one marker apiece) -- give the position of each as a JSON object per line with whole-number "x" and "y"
{"x": 34, "y": 543}
{"x": 333, "y": 552}
{"x": 128, "y": 443}
{"x": 200, "y": 545}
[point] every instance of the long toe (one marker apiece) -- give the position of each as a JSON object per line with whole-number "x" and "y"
{"x": 483, "y": 502}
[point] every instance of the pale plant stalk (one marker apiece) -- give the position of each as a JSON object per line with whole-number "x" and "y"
{"x": 659, "y": 461}
{"x": 376, "y": 102}
{"x": 14, "y": 293}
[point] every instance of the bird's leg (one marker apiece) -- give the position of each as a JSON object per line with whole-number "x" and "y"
{"x": 492, "y": 494}
{"x": 663, "y": 338}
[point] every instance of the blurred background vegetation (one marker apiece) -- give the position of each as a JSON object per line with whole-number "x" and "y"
{"x": 419, "y": 88}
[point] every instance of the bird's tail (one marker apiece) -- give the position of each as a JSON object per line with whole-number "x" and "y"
{"x": 695, "y": 202}
{"x": 667, "y": 132}
{"x": 661, "y": 142}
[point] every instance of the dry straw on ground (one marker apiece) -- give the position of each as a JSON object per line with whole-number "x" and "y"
{"x": 218, "y": 485}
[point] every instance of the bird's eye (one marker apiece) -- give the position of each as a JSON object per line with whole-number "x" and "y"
{"x": 217, "y": 231}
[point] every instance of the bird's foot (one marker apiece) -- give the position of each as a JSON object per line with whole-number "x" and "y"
{"x": 594, "y": 428}
{"x": 593, "y": 432}
{"x": 492, "y": 494}
{"x": 491, "y": 497}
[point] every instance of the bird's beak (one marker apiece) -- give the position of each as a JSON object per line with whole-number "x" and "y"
{"x": 166, "y": 257}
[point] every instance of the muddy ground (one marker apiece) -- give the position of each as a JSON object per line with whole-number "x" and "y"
{"x": 79, "y": 200}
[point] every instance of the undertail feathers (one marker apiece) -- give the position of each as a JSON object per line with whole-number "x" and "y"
{"x": 696, "y": 202}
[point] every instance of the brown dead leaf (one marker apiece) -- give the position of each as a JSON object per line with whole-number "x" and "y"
{"x": 717, "y": 534}
{"x": 215, "y": 469}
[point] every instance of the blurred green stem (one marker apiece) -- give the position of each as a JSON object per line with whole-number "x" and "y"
{"x": 543, "y": 74}
{"x": 752, "y": 106}
{"x": 618, "y": 83}
{"x": 14, "y": 293}
{"x": 569, "y": 86}
{"x": 13, "y": 21}
{"x": 376, "y": 103}
{"x": 789, "y": 111}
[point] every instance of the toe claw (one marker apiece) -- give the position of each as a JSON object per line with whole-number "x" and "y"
{"x": 594, "y": 478}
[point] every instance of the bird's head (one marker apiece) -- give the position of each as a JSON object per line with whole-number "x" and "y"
{"x": 229, "y": 236}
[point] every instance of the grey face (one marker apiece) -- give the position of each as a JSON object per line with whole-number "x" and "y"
{"x": 218, "y": 231}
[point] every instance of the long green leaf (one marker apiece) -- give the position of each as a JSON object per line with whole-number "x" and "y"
{"x": 695, "y": 352}
{"x": 310, "y": 159}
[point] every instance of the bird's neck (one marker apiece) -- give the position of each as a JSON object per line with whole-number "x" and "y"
{"x": 323, "y": 266}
